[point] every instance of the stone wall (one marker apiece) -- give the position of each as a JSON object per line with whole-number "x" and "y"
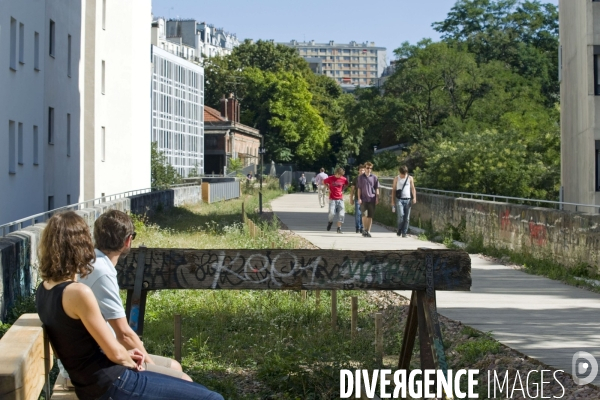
{"x": 18, "y": 250}
{"x": 568, "y": 238}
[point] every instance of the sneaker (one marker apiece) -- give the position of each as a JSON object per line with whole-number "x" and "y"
{"x": 404, "y": 235}
{"x": 339, "y": 230}
{"x": 361, "y": 230}
{"x": 367, "y": 234}
{"x": 398, "y": 233}
{"x": 329, "y": 225}
{"x": 357, "y": 230}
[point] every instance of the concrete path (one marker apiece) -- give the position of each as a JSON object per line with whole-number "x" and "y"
{"x": 539, "y": 317}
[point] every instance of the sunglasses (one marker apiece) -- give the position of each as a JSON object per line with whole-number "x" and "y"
{"x": 132, "y": 235}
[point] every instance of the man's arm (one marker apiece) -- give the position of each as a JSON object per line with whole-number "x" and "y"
{"x": 127, "y": 337}
{"x": 377, "y": 191}
{"x": 414, "y": 190}
{"x": 106, "y": 291}
{"x": 393, "y": 196}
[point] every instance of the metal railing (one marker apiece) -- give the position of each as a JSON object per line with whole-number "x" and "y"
{"x": 386, "y": 182}
{"x": 224, "y": 191}
{"x": 41, "y": 217}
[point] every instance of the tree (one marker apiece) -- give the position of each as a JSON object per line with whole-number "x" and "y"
{"x": 163, "y": 174}
{"x": 522, "y": 34}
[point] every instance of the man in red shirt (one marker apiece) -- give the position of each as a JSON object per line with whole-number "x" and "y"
{"x": 336, "y": 183}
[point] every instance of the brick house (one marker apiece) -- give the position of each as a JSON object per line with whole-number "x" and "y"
{"x": 225, "y": 137}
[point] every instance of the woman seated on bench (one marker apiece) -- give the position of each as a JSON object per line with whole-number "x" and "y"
{"x": 99, "y": 367}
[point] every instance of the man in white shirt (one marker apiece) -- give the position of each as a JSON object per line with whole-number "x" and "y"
{"x": 113, "y": 234}
{"x": 321, "y": 176}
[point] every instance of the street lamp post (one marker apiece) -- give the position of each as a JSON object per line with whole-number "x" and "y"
{"x": 261, "y": 151}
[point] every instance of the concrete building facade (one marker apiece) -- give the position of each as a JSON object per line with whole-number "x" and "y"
{"x": 75, "y": 110}
{"x": 177, "y": 111}
{"x": 40, "y": 109}
{"x": 117, "y": 73}
{"x": 580, "y": 100}
{"x": 349, "y": 64}
{"x": 205, "y": 38}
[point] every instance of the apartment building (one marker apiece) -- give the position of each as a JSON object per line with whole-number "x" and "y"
{"x": 40, "y": 106}
{"x": 173, "y": 45}
{"x": 205, "y": 38}
{"x": 75, "y": 109}
{"x": 178, "y": 110}
{"x": 579, "y": 55}
{"x": 349, "y": 64}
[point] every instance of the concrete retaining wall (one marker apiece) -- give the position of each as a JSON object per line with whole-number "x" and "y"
{"x": 19, "y": 250}
{"x": 566, "y": 237}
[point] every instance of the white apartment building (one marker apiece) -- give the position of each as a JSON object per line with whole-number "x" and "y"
{"x": 579, "y": 22}
{"x": 116, "y": 122}
{"x": 205, "y": 38}
{"x": 74, "y": 114}
{"x": 178, "y": 110}
{"x": 349, "y": 64}
{"x": 40, "y": 106}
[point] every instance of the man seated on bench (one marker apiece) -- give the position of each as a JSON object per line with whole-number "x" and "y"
{"x": 100, "y": 367}
{"x": 113, "y": 234}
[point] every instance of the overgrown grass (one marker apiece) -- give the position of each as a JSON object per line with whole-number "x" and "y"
{"x": 251, "y": 344}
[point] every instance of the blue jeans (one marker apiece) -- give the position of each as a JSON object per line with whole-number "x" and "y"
{"x": 153, "y": 386}
{"x": 336, "y": 207}
{"x": 403, "y": 214}
{"x": 357, "y": 215}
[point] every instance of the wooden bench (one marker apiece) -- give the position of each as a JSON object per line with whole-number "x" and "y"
{"x": 27, "y": 359}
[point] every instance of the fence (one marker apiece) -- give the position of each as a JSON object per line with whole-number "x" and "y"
{"x": 560, "y": 205}
{"x": 42, "y": 217}
{"x": 212, "y": 192}
{"x": 18, "y": 250}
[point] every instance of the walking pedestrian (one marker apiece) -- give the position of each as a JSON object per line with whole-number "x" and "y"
{"x": 405, "y": 195}
{"x": 313, "y": 181}
{"x": 354, "y": 200}
{"x": 368, "y": 197}
{"x": 321, "y": 176}
{"x": 302, "y": 183}
{"x": 336, "y": 183}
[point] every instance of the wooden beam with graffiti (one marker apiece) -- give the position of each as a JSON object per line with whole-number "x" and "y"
{"x": 295, "y": 269}
{"x": 424, "y": 271}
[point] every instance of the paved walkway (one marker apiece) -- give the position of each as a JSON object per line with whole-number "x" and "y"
{"x": 539, "y": 317}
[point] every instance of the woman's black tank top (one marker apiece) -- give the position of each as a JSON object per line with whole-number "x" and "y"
{"x": 91, "y": 372}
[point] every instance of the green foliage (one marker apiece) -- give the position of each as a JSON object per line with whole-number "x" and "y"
{"x": 473, "y": 350}
{"x": 295, "y": 110}
{"x": 163, "y": 173}
{"x": 235, "y": 165}
{"x": 386, "y": 160}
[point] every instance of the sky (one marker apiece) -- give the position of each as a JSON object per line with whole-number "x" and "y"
{"x": 388, "y": 23}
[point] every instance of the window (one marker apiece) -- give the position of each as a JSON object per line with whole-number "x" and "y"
{"x": 36, "y": 52}
{"x": 50, "y": 203}
{"x": 103, "y": 145}
{"x": 21, "y": 44}
{"x": 103, "y": 14}
{"x": 20, "y": 144}
{"x": 69, "y": 56}
{"x": 51, "y": 36}
{"x": 50, "y": 125}
{"x": 597, "y": 70}
{"x": 103, "y": 83}
{"x": 12, "y": 168}
{"x": 68, "y": 135}
{"x": 35, "y": 146}
{"x": 13, "y": 44}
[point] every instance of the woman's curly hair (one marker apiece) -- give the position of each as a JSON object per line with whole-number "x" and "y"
{"x": 66, "y": 248}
